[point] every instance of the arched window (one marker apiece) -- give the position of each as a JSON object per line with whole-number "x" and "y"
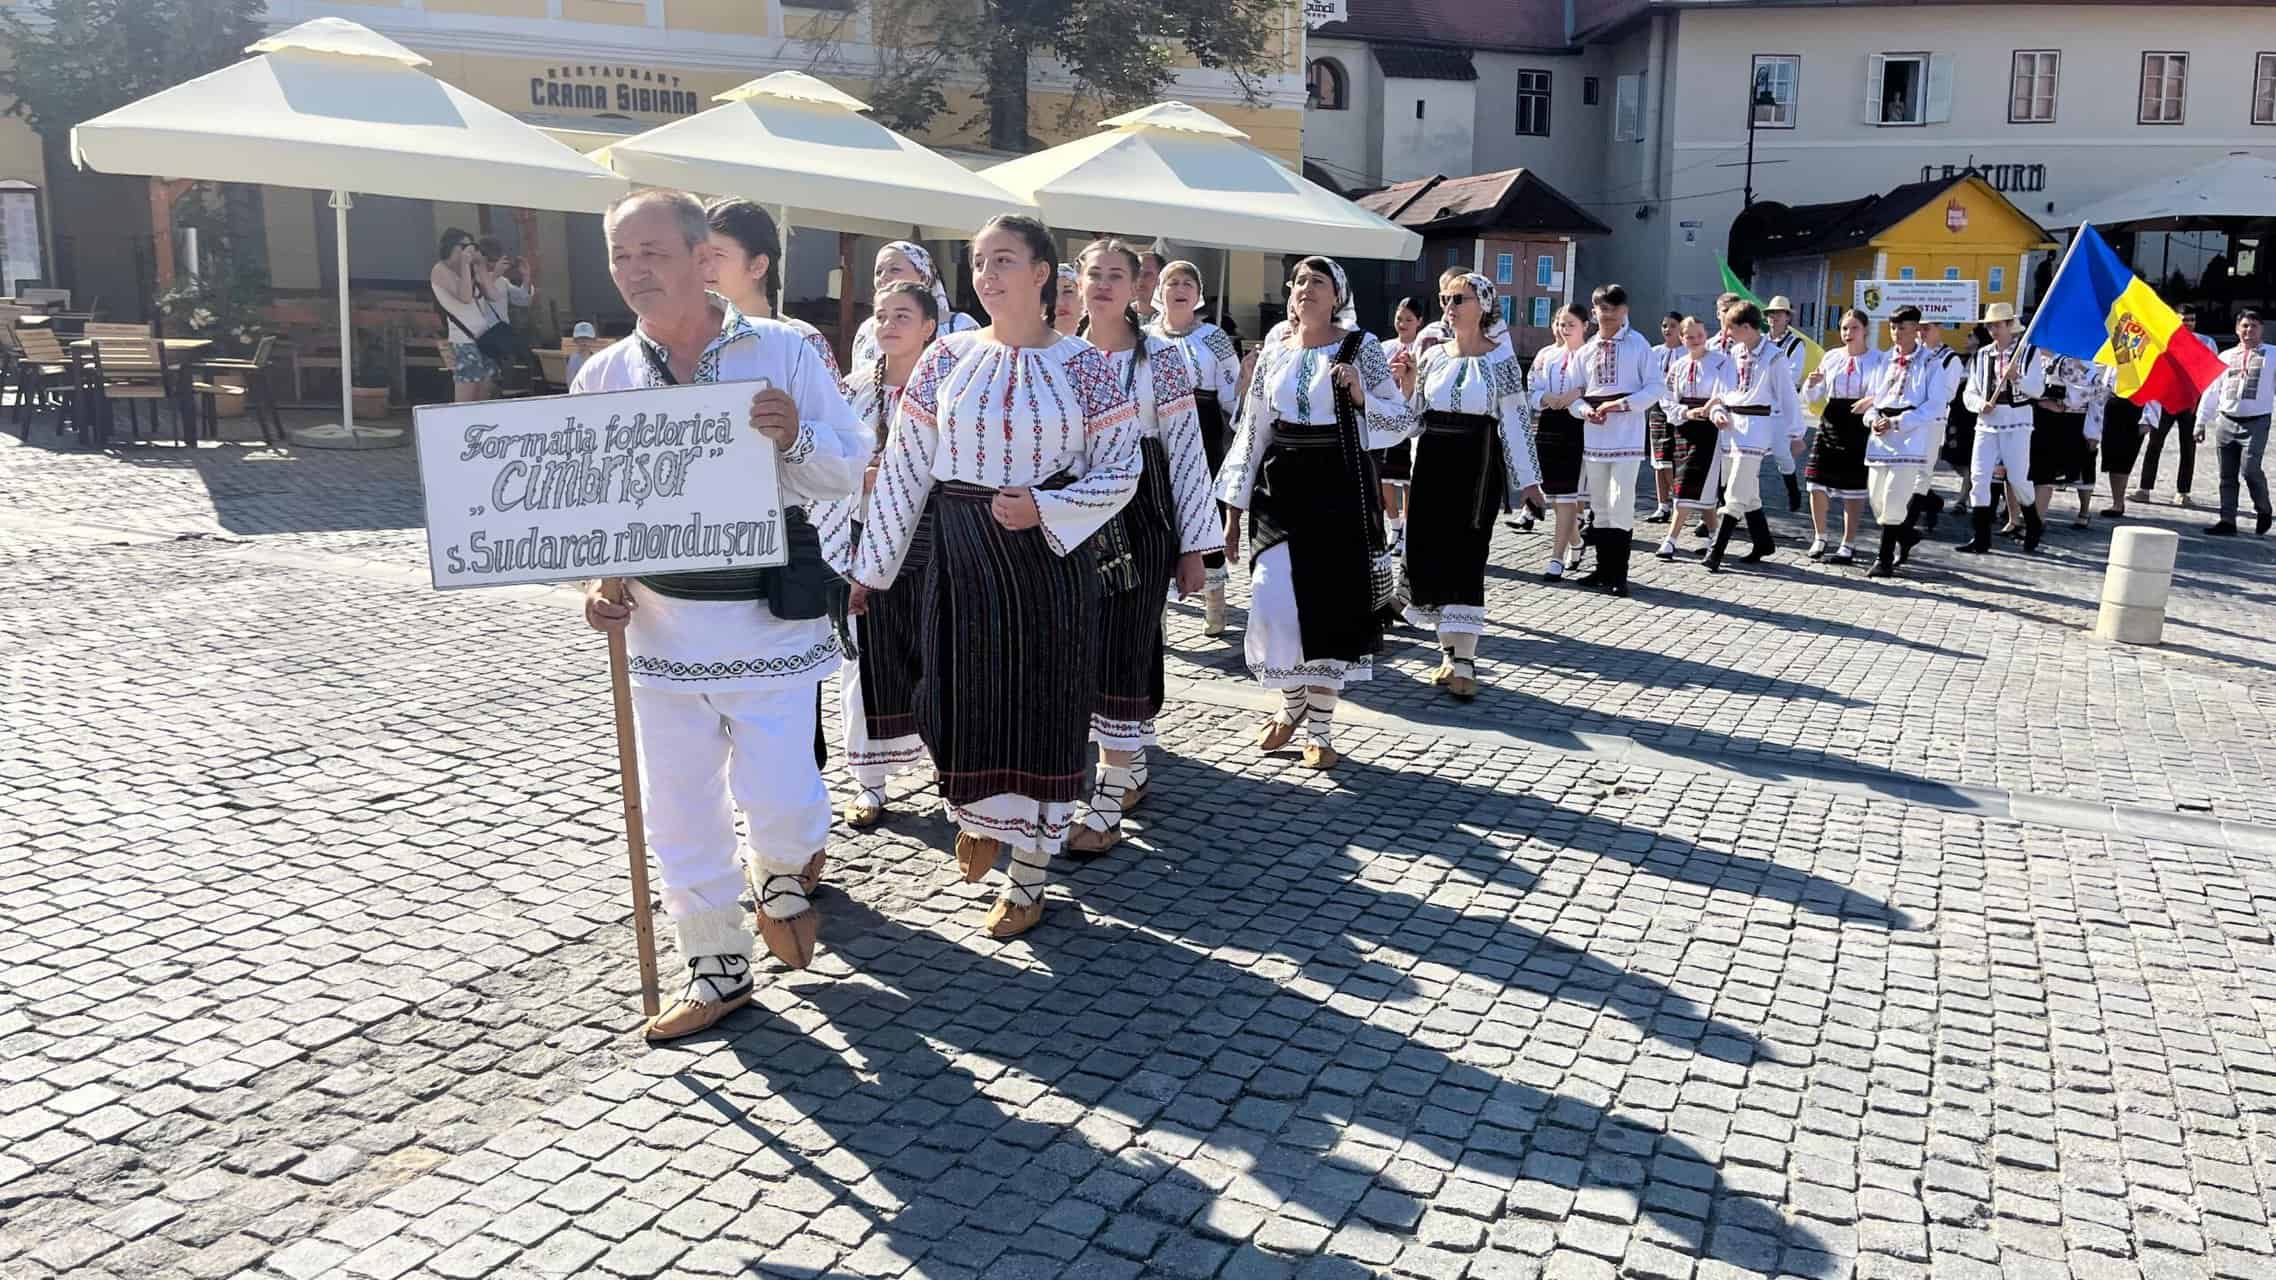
{"x": 1327, "y": 88}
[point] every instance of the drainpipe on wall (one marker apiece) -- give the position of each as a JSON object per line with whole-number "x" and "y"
{"x": 1655, "y": 80}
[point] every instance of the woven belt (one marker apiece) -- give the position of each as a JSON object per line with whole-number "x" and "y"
{"x": 1439, "y": 422}
{"x": 1303, "y": 435}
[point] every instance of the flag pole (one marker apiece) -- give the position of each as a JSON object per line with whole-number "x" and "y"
{"x": 2070, "y": 251}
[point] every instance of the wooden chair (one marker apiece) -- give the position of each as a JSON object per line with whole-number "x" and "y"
{"x": 553, "y": 368}
{"x": 132, "y": 371}
{"x": 318, "y": 355}
{"x": 49, "y": 379}
{"x": 210, "y": 389}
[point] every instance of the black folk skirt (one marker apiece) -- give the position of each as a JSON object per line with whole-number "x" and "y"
{"x": 1694, "y": 448}
{"x": 1007, "y": 633}
{"x": 1216, "y": 435}
{"x": 1659, "y": 436}
{"x": 1559, "y": 439}
{"x": 1460, "y": 479}
{"x": 1307, "y": 497}
{"x": 887, "y": 647}
{"x": 1129, "y": 645}
{"x": 2059, "y": 453}
{"x": 2121, "y": 436}
{"x": 1837, "y": 456}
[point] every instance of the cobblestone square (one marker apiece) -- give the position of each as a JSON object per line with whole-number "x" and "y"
{"x": 1773, "y": 924}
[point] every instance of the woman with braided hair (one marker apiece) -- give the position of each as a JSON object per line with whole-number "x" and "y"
{"x": 877, "y": 691}
{"x": 1474, "y": 452}
{"x": 741, "y": 268}
{"x": 1156, "y": 541}
{"x": 1214, "y": 362}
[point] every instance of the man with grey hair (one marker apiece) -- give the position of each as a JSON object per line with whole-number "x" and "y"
{"x": 726, "y": 662}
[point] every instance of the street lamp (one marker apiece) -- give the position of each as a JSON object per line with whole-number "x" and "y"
{"x": 1759, "y": 112}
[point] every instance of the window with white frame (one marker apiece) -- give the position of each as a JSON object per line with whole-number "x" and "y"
{"x": 1628, "y": 108}
{"x": 2031, "y": 86}
{"x": 1998, "y": 281}
{"x": 1538, "y": 315}
{"x": 1777, "y": 86}
{"x": 1533, "y": 103}
{"x": 2264, "y": 89}
{"x": 1544, "y": 271}
{"x": 1908, "y": 88}
{"x": 2165, "y": 87}
{"x": 1505, "y": 268}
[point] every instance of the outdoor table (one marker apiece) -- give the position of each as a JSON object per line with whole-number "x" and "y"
{"x": 182, "y": 355}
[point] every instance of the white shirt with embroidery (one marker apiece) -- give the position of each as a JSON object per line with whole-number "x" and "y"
{"x": 2027, "y": 383}
{"x": 1292, "y": 384}
{"x": 713, "y": 646}
{"x": 1557, "y": 369}
{"x": 1492, "y": 386}
{"x": 1918, "y": 383}
{"x": 1166, "y": 413}
{"x": 1759, "y": 376}
{"x": 1618, "y": 364}
{"x": 1209, "y": 357}
{"x": 983, "y": 413}
{"x": 834, "y": 520}
{"x": 2244, "y": 389}
{"x": 1688, "y": 377}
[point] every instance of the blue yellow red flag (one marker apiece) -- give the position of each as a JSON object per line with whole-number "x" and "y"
{"x": 2096, "y": 309}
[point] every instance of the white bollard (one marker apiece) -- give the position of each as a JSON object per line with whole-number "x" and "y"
{"x": 2135, "y": 585}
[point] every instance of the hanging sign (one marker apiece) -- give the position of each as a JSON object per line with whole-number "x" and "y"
{"x": 1944, "y": 302}
{"x": 1321, "y": 12}
{"x": 1955, "y": 216}
{"x": 618, "y": 484}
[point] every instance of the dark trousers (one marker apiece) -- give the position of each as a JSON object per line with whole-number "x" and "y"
{"x": 2185, "y": 445}
{"x": 2244, "y": 457}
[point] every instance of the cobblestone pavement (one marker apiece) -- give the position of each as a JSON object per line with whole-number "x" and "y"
{"x": 315, "y": 958}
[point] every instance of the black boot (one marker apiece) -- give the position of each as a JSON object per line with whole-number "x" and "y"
{"x": 1884, "y": 564}
{"x": 1602, "y": 572}
{"x": 1793, "y": 493}
{"x": 2033, "y": 528}
{"x": 1613, "y": 553}
{"x": 1723, "y": 534}
{"x": 1758, "y": 528}
{"x": 1981, "y": 518}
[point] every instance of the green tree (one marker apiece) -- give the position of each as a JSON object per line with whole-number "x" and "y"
{"x": 1122, "y": 53}
{"x": 71, "y": 60}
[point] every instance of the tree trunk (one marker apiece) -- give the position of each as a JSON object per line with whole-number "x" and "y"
{"x": 1007, "y": 94}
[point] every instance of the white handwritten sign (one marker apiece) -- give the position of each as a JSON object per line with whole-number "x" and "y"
{"x": 1941, "y": 302}
{"x": 611, "y": 485}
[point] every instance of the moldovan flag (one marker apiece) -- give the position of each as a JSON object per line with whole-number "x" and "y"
{"x": 2098, "y": 310}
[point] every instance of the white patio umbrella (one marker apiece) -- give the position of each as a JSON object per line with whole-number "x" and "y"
{"x": 2239, "y": 185}
{"x": 795, "y": 143}
{"x": 1177, "y": 171}
{"x": 336, "y": 107}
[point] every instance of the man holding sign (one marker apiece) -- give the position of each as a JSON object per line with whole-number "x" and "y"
{"x": 725, "y": 662}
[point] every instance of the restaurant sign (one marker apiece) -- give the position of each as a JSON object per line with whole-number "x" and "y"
{"x": 613, "y": 88}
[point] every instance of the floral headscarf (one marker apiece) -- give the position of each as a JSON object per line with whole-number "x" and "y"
{"x": 1162, "y": 287}
{"x": 1489, "y": 300}
{"x": 923, "y": 262}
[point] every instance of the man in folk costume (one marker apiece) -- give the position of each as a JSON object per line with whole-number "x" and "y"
{"x": 1658, "y": 432}
{"x": 1906, "y": 409}
{"x": 725, "y": 663}
{"x": 2004, "y": 381}
{"x": 1622, "y": 378}
{"x": 1959, "y": 426}
{"x": 1801, "y": 356}
{"x": 2236, "y": 410}
{"x": 1753, "y": 417}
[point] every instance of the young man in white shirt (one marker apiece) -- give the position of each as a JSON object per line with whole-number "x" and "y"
{"x": 1622, "y": 380}
{"x": 2235, "y": 410}
{"x": 2004, "y": 380}
{"x": 1753, "y": 418}
{"x": 1791, "y": 348}
{"x": 1905, "y": 410}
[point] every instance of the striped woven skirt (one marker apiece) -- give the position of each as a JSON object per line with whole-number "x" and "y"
{"x": 1697, "y": 458}
{"x": 1837, "y": 454}
{"x": 1006, "y": 634}
{"x": 1559, "y": 439}
{"x": 1129, "y": 643}
{"x": 1659, "y": 436}
{"x": 891, "y": 660}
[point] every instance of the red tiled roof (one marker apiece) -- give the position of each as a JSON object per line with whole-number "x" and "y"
{"x": 1531, "y": 25}
{"x": 1511, "y": 198}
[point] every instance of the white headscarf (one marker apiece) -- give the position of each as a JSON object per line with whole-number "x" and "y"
{"x": 1162, "y": 288}
{"x": 923, "y": 262}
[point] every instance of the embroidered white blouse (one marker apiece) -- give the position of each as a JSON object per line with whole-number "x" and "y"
{"x": 815, "y": 340}
{"x": 983, "y": 413}
{"x": 1846, "y": 376}
{"x": 1689, "y": 377}
{"x": 1918, "y": 379}
{"x": 1166, "y": 413}
{"x": 1209, "y": 356}
{"x": 834, "y": 520}
{"x": 1618, "y": 364}
{"x": 1293, "y": 384}
{"x": 1759, "y": 377}
{"x": 1557, "y": 370}
{"x": 1491, "y": 384}
{"x": 707, "y": 646}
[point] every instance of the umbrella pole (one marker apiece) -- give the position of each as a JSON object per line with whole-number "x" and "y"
{"x": 782, "y": 267}
{"x": 1224, "y": 274}
{"x": 341, "y": 203}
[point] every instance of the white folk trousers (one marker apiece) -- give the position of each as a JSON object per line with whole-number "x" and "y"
{"x": 2011, "y": 449}
{"x": 1611, "y": 489}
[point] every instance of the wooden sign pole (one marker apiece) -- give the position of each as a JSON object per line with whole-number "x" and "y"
{"x": 635, "y": 834}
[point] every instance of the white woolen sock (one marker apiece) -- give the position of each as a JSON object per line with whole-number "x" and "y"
{"x": 1465, "y": 645}
{"x": 781, "y": 893}
{"x": 1292, "y": 706}
{"x": 1319, "y": 714}
{"x": 1024, "y": 876}
{"x": 1114, "y": 783}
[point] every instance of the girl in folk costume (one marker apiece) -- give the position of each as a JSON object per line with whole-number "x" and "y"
{"x": 2060, "y": 454}
{"x": 1020, "y": 443}
{"x": 1395, "y": 466}
{"x": 907, "y": 260}
{"x": 1475, "y": 449}
{"x": 2125, "y": 425}
{"x": 1558, "y": 381}
{"x": 1067, "y": 312}
{"x": 1621, "y": 380}
{"x": 1153, "y": 543}
{"x": 1904, "y": 406}
{"x": 1321, "y": 397}
{"x": 1837, "y": 457}
{"x": 1753, "y": 417}
{"x": 1659, "y": 440}
{"x": 2097, "y": 398}
{"x": 744, "y": 249}
{"x": 877, "y": 692}
{"x": 1214, "y": 363}
{"x": 1696, "y": 374}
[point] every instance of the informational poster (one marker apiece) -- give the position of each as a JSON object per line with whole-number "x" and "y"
{"x": 1943, "y": 302}
{"x": 618, "y": 484}
{"x": 20, "y": 256}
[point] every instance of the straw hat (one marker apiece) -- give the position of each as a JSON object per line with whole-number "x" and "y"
{"x": 1780, "y": 303}
{"x": 1999, "y": 311}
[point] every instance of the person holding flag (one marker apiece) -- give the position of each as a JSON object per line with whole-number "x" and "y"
{"x": 2004, "y": 381}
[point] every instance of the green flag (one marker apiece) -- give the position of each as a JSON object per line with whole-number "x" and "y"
{"x": 1731, "y": 282}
